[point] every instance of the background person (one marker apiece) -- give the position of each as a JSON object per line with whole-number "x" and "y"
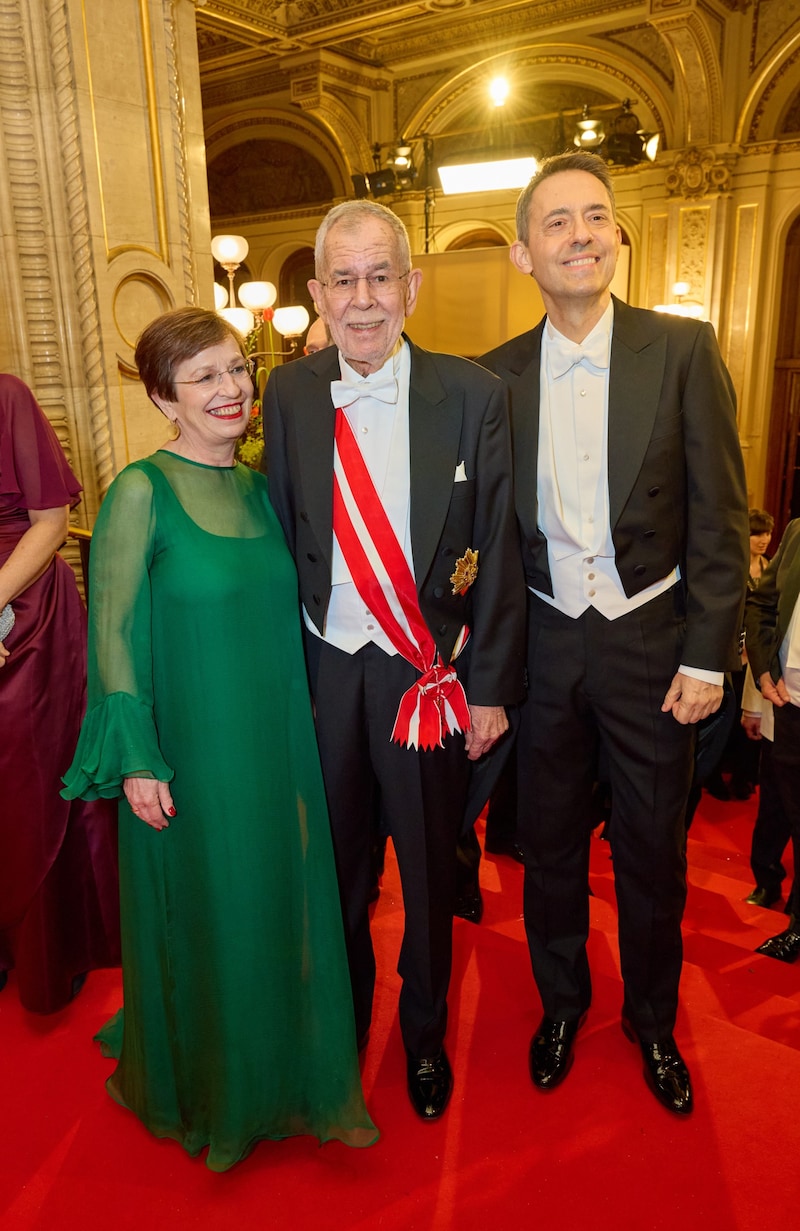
{"x": 317, "y": 337}
{"x": 414, "y": 449}
{"x": 631, "y": 503}
{"x": 740, "y": 755}
{"x": 237, "y": 1022}
{"x": 773, "y": 648}
{"x": 59, "y": 906}
{"x": 772, "y": 830}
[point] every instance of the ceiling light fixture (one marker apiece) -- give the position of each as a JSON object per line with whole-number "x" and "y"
{"x": 499, "y": 90}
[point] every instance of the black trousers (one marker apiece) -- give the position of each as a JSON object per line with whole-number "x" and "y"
{"x": 419, "y": 798}
{"x": 595, "y": 683}
{"x": 771, "y": 830}
{"x": 786, "y": 771}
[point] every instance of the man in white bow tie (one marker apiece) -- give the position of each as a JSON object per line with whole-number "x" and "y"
{"x": 390, "y": 470}
{"x": 631, "y": 503}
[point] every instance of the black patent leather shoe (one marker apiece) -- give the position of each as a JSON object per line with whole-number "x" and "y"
{"x": 430, "y": 1084}
{"x": 785, "y": 946}
{"x": 550, "y": 1054}
{"x": 762, "y": 896}
{"x": 664, "y": 1071}
{"x": 469, "y": 906}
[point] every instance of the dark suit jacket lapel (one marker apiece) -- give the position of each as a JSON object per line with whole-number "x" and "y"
{"x": 638, "y": 356}
{"x": 434, "y": 426}
{"x": 520, "y": 370}
{"x": 315, "y": 418}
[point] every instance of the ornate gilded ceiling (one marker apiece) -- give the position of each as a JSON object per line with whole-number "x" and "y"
{"x": 341, "y": 80}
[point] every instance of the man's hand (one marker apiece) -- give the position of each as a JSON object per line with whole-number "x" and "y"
{"x": 751, "y": 724}
{"x": 489, "y": 722}
{"x": 150, "y": 800}
{"x": 690, "y": 699}
{"x": 776, "y": 693}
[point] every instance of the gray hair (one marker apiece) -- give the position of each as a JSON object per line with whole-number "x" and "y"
{"x": 579, "y": 160}
{"x": 350, "y": 214}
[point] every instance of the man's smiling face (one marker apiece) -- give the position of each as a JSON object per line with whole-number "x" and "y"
{"x": 365, "y": 320}
{"x": 573, "y": 239}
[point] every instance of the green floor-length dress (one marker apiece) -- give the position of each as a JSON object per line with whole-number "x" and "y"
{"x": 237, "y": 1021}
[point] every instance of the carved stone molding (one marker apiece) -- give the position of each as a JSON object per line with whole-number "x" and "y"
{"x": 698, "y": 173}
{"x": 770, "y": 22}
{"x": 190, "y": 281}
{"x": 788, "y": 67}
{"x": 698, "y": 79}
{"x": 693, "y": 253}
{"x": 83, "y": 272}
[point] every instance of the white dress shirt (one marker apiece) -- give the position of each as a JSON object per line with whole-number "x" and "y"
{"x": 573, "y": 480}
{"x": 381, "y": 431}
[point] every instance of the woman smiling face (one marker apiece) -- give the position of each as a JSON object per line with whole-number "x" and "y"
{"x": 212, "y": 404}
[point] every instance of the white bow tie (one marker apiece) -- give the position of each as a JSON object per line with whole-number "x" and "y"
{"x": 563, "y": 354}
{"x": 345, "y": 392}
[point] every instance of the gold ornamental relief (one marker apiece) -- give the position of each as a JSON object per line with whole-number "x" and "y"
{"x": 696, "y": 173}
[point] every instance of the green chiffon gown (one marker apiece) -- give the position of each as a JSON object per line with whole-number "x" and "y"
{"x": 237, "y": 1022}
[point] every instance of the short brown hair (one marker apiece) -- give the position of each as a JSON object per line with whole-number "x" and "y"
{"x": 761, "y": 522}
{"x": 173, "y": 337}
{"x": 578, "y": 160}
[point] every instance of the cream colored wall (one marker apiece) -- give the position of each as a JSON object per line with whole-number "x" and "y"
{"x": 103, "y": 211}
{"x": 473, "y": 300}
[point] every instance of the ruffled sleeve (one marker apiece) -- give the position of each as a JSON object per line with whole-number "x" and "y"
{"x": 118, "y": 740}
{"x": 36, "y": 474}
{"x": 119, "y": 736}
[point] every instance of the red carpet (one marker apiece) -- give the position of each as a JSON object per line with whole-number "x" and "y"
{"x": 597, "y": 1153}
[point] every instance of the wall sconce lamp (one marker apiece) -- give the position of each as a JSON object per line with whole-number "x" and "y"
{"x": 682, "y": 306}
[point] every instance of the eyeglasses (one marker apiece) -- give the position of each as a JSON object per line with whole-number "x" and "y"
{"x": 379, "y": 284}
{"x": 238, "y": 372}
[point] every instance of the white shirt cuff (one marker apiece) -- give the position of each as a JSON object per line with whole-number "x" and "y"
{"x": 707, "y": 677}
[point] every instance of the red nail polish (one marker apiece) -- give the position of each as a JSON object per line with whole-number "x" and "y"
{"x": 172, "y": 812}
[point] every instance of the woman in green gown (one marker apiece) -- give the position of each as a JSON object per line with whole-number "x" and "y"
{"x": 237, "y": 1022}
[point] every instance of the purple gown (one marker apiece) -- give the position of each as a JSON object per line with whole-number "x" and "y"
{"x": 59, "y": 905}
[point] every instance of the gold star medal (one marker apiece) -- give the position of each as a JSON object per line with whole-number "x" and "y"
{"x": 465, "y": 572}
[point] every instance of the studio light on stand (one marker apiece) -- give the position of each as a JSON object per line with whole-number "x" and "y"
{"x": 485, "y": 172}
{"x": 628, "y": 144}
{"x": 589, "y": 132}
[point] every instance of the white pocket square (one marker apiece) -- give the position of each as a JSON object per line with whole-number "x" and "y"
{"x": 461, "y": 473}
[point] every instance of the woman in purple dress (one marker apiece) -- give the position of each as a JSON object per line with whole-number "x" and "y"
{"x": 59, "y": 906}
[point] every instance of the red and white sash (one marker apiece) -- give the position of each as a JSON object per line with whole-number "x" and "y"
{"x": 435, "y": 705}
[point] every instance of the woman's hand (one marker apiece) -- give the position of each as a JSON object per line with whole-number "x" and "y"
{"x": 150, "y": 800}
{"x": 4, "y": 653}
